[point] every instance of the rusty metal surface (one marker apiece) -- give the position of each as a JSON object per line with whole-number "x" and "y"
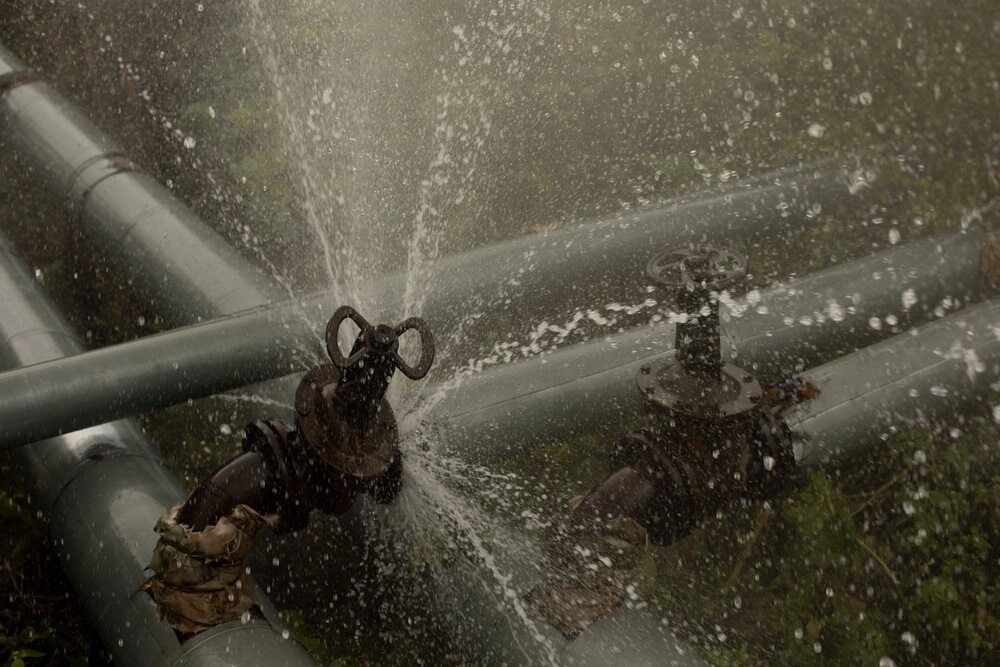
{"x": 345, "y": 442}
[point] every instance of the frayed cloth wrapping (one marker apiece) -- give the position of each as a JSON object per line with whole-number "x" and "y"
{"x": 199, "y": 579}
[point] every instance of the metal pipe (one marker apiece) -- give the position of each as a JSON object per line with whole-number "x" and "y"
{"x": 132, "y": 216}
{"x": 197, "y": 275}
{"x": 590, "y": 387}
{"x": 183, "y": 282}
{"x": 785, "y": 328}
{"x": 560, "y": 265}
{"x": 103, "y": 489}
{"x": 921, "y": 379}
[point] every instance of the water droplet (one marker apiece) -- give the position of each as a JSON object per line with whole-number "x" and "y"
{"x": 225, "y": 429}
{"x": 886, "y": 661}
{"x": 894, "y": 236}
{"x": 816, "y": 131}
{"x": 908, "y": 508}
{"x": 285, "y": 634}
{"x": 211, "y": 112}
{"x": 189, "y": 142}
{"x": 768, "y": 463}
{"x": 827, "y": 63}
{"x": 835, "y": 311}
{"x": 865, "y": 98}
{"x": 875, "y": 323}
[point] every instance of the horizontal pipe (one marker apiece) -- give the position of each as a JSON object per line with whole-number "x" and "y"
{"x": 925, "y": 378}
{"x": 590, "y": 388}
{"x": 103, "y": 490}
{"x": 127, "y": 379}
{"x": 132, "y": 216}
{"x": 525, "y": 278}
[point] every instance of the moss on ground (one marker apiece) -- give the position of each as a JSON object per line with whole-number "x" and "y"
{"x": 892, "y": 558}
{"x": 41, "y": 619}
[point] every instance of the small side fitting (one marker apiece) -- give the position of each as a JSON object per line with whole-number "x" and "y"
{"x": 345, "y": 442}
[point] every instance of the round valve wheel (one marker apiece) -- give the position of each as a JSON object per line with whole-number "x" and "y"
{"x": 703, "y": 267}
{"x": 381, "y": 339}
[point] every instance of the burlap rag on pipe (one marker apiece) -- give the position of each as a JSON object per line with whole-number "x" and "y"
{"x": 199, "y": 579}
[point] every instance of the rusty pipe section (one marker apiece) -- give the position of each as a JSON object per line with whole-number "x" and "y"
{"x": 344, "y": 442}
{"x": 102, "y": 489}
{"x": 134, "y": 218}
{"x": 668, "y": 477}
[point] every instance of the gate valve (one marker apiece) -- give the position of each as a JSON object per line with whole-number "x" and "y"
{"x": 718, "y": 435}
{"x": 344, "y": 442}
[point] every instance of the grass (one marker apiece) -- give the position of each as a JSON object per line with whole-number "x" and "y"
{"x": 892, "y": 558}
{"x": 41, "y": 619}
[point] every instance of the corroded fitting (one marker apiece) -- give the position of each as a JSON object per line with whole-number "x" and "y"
{"x": 345, "y": 442}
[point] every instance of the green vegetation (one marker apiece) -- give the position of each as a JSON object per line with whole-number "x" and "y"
{"x": 892, "y": 556}
{"x": 41, "y": 619}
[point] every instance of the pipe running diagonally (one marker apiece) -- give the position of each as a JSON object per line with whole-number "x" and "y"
{"x": 590, "y": 387}
{"x": 219, "y": 355}
{"x": 103, "y": 490}
{"x": 920, "y": 379}
{"x": 132, "y": 216}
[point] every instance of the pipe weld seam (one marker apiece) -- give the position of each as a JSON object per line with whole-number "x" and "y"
{"x": 121, "y": 164}
{"x": 116, "y": 450}
{"x": 11, "y": 80}
{"x": 78, "y": 171}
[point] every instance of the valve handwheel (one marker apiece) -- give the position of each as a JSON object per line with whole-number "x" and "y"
{"x": 383, "y": 339}
{"x": 704, "y": 267}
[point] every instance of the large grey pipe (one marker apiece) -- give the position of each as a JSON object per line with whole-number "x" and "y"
{"x": 793, "y": 326}
{"x": 103, "y": 489}
{"x": 590, "y": 387}
{"x": 127, "y": 211}
{"x": 186, "y": 292}
{"x": 923, "y": 379}
{"x": 198, "y": 275}
{"x": 561, "y": 265}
